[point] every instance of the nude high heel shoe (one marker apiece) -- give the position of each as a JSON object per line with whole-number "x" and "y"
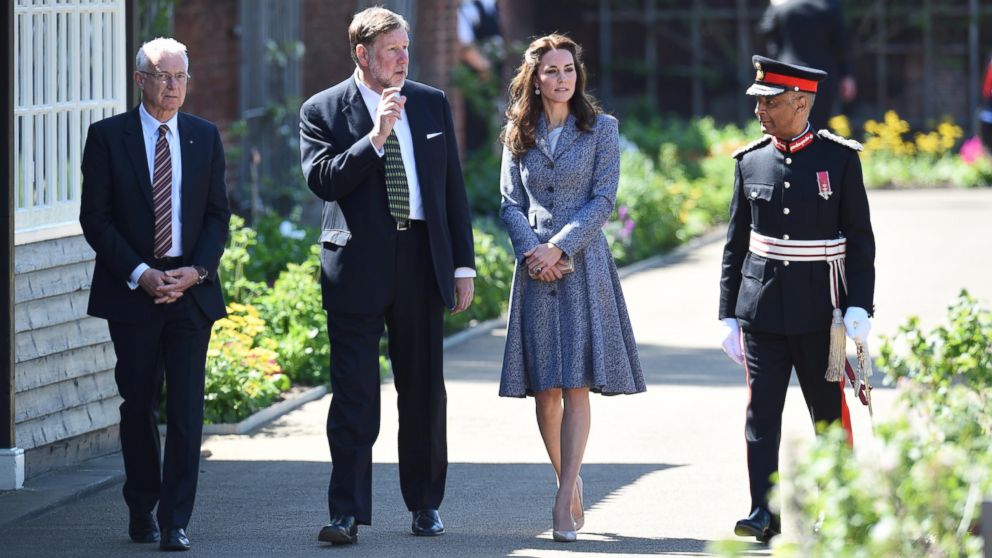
{"x": 581, "y": 519}
{"x": 562, "y": 535}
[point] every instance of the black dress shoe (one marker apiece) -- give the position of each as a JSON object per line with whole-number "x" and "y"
{"x": 174, "y": 539}
{"x": 141, "y": 527}
{"x": 341, "y": 530}
{"x": 427, "y": 523}
{"x": 761, "y": 524}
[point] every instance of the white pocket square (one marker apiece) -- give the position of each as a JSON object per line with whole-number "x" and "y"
{"x": 434, "y": 135}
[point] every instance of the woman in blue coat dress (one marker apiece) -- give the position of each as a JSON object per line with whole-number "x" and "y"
{"x": 568, "y": 331}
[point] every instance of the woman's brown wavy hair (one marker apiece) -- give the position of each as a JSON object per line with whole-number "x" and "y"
{"x": 525, "y": 108}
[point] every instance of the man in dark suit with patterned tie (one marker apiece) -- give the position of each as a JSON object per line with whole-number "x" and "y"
{"x": 154, "y": 209}
{"x": 380, "y": 151}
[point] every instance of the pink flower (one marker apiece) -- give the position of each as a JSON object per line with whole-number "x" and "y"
{"x": 628, "y": 227}
{"x": 622, "y": 212}
{"x": 972, "y": 150}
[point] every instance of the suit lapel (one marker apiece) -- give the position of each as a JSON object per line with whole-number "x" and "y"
{"x": 187, "y": 143}
{"x": 569, "y": 133}
{"x": 356, "y": 111}
{"x": 417, "y": 115}
{"x": 134, "y": 141}
{"x": 541, "y": 139}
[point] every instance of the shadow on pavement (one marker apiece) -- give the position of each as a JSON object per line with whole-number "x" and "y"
{"x": 275, "y": 508}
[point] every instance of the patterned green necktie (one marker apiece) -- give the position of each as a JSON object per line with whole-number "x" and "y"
{"x": 396, "y": 187}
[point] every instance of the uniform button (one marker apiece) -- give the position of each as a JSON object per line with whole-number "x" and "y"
{"x": 787, "y": 185}
{"x": 786, "y": 263}
{"x": 788, "y": 160}
{"x": 786, "y": 211}
{"x": 785, "y": 237}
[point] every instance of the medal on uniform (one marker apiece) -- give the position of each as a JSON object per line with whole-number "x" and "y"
{"x": 823, "y": 181}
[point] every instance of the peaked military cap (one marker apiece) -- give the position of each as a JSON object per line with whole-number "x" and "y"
{"x": 773, "y": 77}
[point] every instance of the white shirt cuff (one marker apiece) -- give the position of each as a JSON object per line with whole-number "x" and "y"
{"x": 382, "y": 151}
{"x": 463, "y": 272}
{"x": 136, "y": 274}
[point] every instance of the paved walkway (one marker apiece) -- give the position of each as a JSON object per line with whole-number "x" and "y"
{"x": 664, "y": 471}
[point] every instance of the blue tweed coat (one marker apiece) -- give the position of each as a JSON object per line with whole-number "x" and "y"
{"x": 574, "y": 332}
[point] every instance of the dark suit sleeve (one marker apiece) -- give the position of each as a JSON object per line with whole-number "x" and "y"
{"x": 217, "y": 216}
{"x": 768, "y": 27}
{"x": 456, "y": 202}
{"x": 838, "y": 38}
{"x": 855, "y": 222}
{"x": 736, "y": 247}
{"x": 96, "y": 209}
{"x": 332, "y": 171}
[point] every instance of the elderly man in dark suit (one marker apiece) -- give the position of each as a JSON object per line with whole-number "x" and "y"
{"x": 154, "y": 208}
{"x": 380, "y": 151}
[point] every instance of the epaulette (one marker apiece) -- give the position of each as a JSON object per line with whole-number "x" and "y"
{"x": 752, "y": 146}
{"x": 827, "y": 134}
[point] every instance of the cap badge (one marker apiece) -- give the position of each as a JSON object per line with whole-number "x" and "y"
{"x": 760, "y": 75}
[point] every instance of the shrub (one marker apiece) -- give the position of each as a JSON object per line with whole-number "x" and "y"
{"x": 494, "y": 261}
{"x": 297, "y": 322}
{"x": 243, "y": 373}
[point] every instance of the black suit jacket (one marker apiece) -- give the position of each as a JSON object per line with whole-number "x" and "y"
{"x": 765, "y": 294}
{"x": 342, "y": 168}
{"x": 117, "y": 214}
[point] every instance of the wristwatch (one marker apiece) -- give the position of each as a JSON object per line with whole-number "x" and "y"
{"x": 201, "y": 273}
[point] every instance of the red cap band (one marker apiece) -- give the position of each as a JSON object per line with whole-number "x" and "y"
{"x": 789, "y": 81}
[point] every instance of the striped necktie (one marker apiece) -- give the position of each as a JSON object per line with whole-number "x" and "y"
{"x": 397, "y": 190}
{"x": 162, "y": 194}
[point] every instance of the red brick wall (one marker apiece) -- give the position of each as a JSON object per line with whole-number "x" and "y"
{"x": 208, "y": 28}
{"x": 325, "y": 34}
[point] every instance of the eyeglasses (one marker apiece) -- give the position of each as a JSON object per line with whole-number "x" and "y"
{"x": 164, "y": 77}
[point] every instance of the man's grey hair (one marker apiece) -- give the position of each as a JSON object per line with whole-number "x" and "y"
{"x": 155, "y": 48}
{"x": 810, "y": 97}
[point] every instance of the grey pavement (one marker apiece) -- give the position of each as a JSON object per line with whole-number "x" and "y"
{"x": 664, "y": 471}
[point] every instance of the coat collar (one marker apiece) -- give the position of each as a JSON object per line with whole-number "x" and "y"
{"x": 570, "y": 132}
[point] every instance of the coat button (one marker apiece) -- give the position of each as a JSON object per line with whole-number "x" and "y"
{"x": 551, "y": 188}
{"x": 553, "y": 292}
{"x": 785, "y": 237}
{"x": 551, "y": 164}
{"x": 788, "y": 160}
{"x": 787, "y": 185}
{"x": 547, "y": 222}
{"x": 551, "y": 205}
{"x": 786, "y": 211}
{"x": 786, "y": 263}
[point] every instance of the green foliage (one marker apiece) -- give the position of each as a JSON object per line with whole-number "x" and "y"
{"x": 243, "y": 373}
{"x": 494, "y": 260}
{"x": 279, "y": 241}
{"x": 958, "y": 352}
{"x": 916, "y": 489}
{"x": 297, "y": 322}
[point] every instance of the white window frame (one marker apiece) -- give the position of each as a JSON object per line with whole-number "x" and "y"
{"x": 69, "y": 71}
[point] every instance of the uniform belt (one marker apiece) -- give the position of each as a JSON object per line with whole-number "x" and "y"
{"x": 831, "y": 251}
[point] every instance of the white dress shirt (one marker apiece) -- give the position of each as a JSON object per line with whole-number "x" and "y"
{"x": 405, "y": 137}
{"x": 150, "y": 132}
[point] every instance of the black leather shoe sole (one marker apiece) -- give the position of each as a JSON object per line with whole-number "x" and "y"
{"x": 427, "y": 532}
{"x": 744, "y": 529}
{"x": 336, "y": 536}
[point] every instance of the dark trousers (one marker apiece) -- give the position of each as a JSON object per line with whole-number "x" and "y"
{"x": 769, "y": 360}
{"x": 414, "y": 318}
{"x": 174, "y": 342}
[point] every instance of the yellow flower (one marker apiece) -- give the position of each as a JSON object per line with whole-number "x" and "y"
{"x": 841, "y": 125}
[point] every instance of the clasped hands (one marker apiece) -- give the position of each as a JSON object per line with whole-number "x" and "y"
{"x": 542, "y": 262}
{"x": 167, "y": 287}
{"x": 856, "y": 323}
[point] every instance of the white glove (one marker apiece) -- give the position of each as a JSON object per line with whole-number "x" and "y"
{"x": 732, "y": 340}
{"x": 857, "y": 323}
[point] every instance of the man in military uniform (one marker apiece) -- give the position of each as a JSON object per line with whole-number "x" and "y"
{"x": 800, "y": 249}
